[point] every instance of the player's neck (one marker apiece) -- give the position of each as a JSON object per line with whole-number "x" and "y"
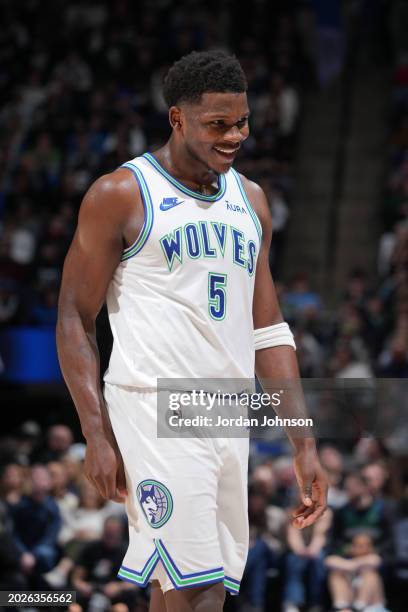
{"x": 179, "y": 163}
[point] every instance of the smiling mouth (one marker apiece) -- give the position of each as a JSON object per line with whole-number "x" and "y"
{"x": 226, "y": 153}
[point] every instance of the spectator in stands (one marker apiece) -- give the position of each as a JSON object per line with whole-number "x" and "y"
{"x": 347, "y": 364}
{"x": 94, "y": 577}
{"x": 393, "y": 361}
{"x": 11, "y": 575}
{"x": 369, "y": 449}
{"x": 356, "y": 292}
{"x": 84, "y": 519}
{"x": 28, "y": 438}
{"x": 300, "y": 300}
{"x": 260, "y": 555}
{"x": 67, "y": 504}
{"x": 88, "y": 518}
{"x": 309, "y": 353}
{"x": 67, "y": 501}
{"x": 280, "y": 215}
{"x": 376, "y": 475}
{"x": 11, "y": 483}
{"x": 305, "y": 573}
{"x": 354, "y": 579}
{"x": 263, "y": 480}
{"x": 361, "y": 512}
{"x": 332, "y": 461}
{"x": 285, "y": 494}
{"x": 376, "y": 322}
{"x": 74, "y": 468}
{"x": 36, "y": 524}
{"x": 58, "y": 441}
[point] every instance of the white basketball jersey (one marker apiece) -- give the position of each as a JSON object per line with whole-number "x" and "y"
{"x": 180, "y": 301}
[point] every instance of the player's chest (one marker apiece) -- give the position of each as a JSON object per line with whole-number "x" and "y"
{"x": 186, "y": 229}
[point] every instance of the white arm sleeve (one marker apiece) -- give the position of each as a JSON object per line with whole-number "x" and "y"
{"x": 274, "y": 335}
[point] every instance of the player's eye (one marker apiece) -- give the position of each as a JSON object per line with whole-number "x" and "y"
{"x": 242, "y": 122}
{"x": 217, "y": 122}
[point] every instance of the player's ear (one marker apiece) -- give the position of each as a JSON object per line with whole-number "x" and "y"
{"x": 175, "y": 117}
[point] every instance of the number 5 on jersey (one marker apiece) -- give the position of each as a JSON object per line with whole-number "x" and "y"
{"x": 217, "y": 298}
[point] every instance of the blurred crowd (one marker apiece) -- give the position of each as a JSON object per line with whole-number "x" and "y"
{"x": 362, "y": 337}
{"x": 82, "y": 94}
{"x": 393, "y": 248}
{"x": 58, "y": 533}
{"x": 366, "y": 335}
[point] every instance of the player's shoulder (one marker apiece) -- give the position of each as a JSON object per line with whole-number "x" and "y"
{"x": 117, "y": 184}
{"x": 113, "y": 196}
{"x": 257, "y": 198}
{"x": 250, "y": 185}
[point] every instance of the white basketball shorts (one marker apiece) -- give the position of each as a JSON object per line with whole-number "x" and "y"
{"x": 187, "y": 500}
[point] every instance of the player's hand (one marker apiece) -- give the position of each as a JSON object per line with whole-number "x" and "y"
{"x": 104, "y": 468}
{"x": 312, "y": 483}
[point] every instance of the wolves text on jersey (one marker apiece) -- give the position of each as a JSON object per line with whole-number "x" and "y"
{"x": 208, "y": 239}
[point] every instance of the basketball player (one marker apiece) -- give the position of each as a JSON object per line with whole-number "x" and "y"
{"x": 177, "y": 243}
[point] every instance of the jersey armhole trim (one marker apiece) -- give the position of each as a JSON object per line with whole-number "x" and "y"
{"x": 253, "y": 214}
{"x": 144, "y": 234}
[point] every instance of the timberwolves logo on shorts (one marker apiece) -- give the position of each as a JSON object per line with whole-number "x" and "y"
{"x": 156, "y": 502}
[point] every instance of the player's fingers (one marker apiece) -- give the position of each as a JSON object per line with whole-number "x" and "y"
{"x": 299, "y": 510}
{"x": 101, "y": 487}
{"x": 309, "y": 520}
{"x": 119, "y": 498}
{"x": 300, "y": 518}
{"x": 106, "y": 485}
{"x": 93, "y": 481}
{"x": 96, "y": 480}
{"x": 111, "y": 489}
{"x": 306, "y": 492}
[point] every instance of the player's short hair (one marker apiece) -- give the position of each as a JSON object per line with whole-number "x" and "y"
{"x": 202, "y": 72}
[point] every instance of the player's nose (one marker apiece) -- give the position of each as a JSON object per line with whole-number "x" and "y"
{"x": 234, "y": 136}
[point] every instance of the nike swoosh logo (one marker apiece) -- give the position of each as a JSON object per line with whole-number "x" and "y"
{"x": 167, "y": 206}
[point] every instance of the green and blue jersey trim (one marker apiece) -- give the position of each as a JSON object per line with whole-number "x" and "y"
{"x": 180, "y": 581}
{"x": 141, "y": 240}
{"x": 222, "y": 182}
{"x": 231, "y": 585}
{"x": 140, "y": 578}
{"x": 184, "y": 581}
{"x": 251, "y": 211}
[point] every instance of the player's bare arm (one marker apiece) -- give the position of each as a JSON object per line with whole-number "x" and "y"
{"x": 110, "y": 219}
{"x": 280, "y": 363}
